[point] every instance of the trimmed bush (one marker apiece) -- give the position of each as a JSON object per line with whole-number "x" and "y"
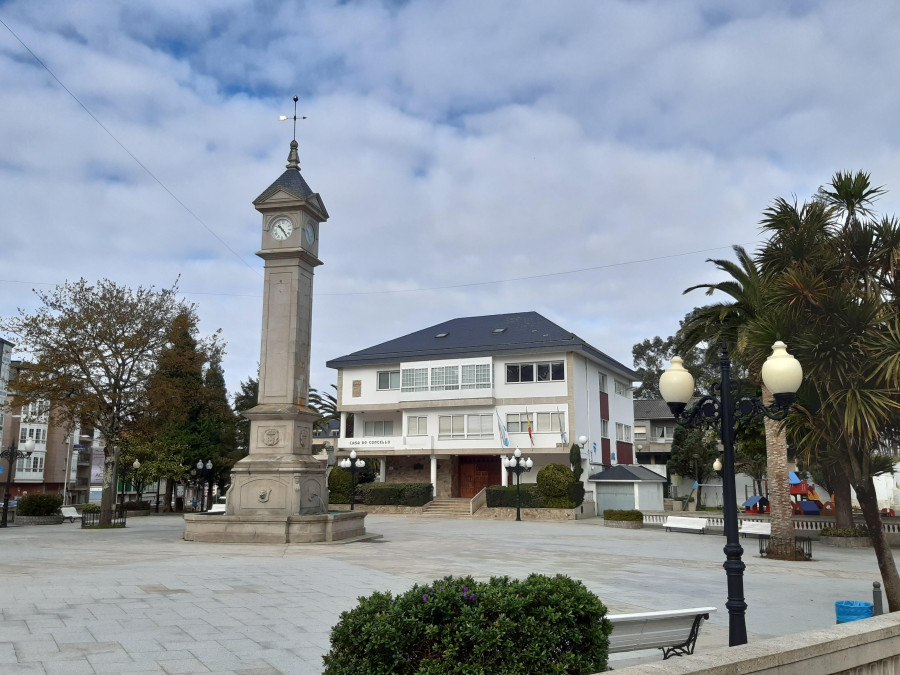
{"x": 576, "y": 493}
{"x": 499, "y": 496}
{"x": 338, "y": 498}
{"x": 458, "y": 626}
{"x": 396, "y": 494}
{"x": 39, "y": 505}
{"x": 339, "y": 481}
{"x": 90, "y": 508}
{"x": 137, "y": 506}
{"x": 554, "y": 480}
{"x": 623, "y": 514}
{"x": 858, "y": 531}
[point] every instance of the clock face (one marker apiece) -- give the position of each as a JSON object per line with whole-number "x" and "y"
{"x": 281, "y": 229}
{"x": 310, "y": 232}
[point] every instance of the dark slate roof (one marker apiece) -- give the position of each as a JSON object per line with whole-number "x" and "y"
{"x": 630, "y": 472}
{"x": 474, "y": 336}
{"x": 652, "y": 410}
{"x": 290, "y": 180}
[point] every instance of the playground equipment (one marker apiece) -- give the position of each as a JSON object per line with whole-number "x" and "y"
{"x": 806, "y": 499}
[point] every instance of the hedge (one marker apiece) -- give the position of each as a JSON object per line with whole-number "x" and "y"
{"x": 553, "y": 481}
{"x": 856, "y": 531}
{"x": 457, "y": 626}
{"x": 137, "y": 506}
{"x": 623, "y": 514}
{"x": 39, "y": 505}
{"x": 398, "y": 494}
{"x": 499, "y": 496}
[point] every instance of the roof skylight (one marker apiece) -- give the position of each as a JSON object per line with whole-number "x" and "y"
{"x": 442, "y": 335}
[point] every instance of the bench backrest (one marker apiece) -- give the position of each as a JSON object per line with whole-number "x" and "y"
{"x": 69, "y": 511}
{"x": 682, "y": 521}
{"x": 753, "y": 527}
{"x": 648, "y": 630}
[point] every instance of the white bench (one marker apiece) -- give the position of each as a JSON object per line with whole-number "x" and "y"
{"x": 759, "y": 528}
{"x": 217, "y": 508}
{"x": 674, "y": 631}
{"x": 685, "y": 523}
{"x": 69, "y": 513}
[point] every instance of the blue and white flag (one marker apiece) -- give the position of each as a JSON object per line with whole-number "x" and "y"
{"x": 503, "y": 435}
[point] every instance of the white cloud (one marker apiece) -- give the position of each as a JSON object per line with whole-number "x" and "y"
{"x": 453, "y": 142}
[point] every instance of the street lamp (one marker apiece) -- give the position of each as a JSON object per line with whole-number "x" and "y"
{"x": 12, "y": 455}
{"x": 722, "y": 409}
{"x": 582, "y": 441}
{"x": 353, "y": 465}
{"x": 204, "y": 472}
{"x": 518, "y": 466}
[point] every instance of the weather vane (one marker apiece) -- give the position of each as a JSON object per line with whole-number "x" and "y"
{"x": 284, "y": 118}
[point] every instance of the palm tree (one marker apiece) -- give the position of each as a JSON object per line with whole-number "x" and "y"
{"x": 326, "y": 405}
{"x": 749, "y": 314}
{"x": 839, "y": 294}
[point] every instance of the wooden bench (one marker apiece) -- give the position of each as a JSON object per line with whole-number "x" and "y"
{"x": 69, "y": 513}
{"x": 685, "y": 523}
{"x": 674, "y": 631}
{"x": 756, "y": 527}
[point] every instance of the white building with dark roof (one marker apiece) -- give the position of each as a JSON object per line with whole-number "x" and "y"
{"x": 446, "y": 403}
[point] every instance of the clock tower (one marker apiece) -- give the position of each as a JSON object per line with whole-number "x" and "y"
{"x": 280, "y": 477}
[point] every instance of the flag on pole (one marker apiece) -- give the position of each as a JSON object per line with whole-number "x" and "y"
{"x": 504, "y": 437}
{"x": 562, "y": 427}
{"x": 530, "y": 436}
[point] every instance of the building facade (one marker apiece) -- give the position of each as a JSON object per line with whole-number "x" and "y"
{"x": 446, "y": 403}
{"x": 61, "y": 460}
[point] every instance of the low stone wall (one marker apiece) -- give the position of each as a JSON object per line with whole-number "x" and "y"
{"x": 380, "y": 508}
{"x": 38, "y": 520}
{"x": 865, "y": 647}
{"x": 509, "y": 513}
{"x": 846, "y": 542}
{"x": 624, "y": 524}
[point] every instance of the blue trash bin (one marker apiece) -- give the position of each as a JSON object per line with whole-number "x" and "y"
{"x": 852, "y": 610}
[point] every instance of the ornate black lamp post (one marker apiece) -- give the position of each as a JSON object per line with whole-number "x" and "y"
{"x": 204, "y": 473}
{"x": 352, "y": 465}
{"x": 517, "y": 465}
{"x": 12, "y": 455}
{"x": 721, "y": 410}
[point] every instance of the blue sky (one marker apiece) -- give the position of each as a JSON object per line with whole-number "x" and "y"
{"x": 453, "y": 142}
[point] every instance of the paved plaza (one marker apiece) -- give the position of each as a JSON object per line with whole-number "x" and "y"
{"x": 142, "y": 600}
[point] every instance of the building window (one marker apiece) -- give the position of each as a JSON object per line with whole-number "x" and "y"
{"x": 547, "y": 371}
{"x": 476, "y": 376}
{"x": 414, "y": 379}
{"x": 480, "y": 426}
{"x": 416, "y": 426}
{"x": 623, "y": 432}
{"x": 444, "y": 378}
{"x": 37, "y": 434}
{"x": 517, "y": 422}
{"x": 33, "y": 463}
{"x": 640, "y": 433}
{"x": 623, "y": 389}
{"x": 550, "y": 422}
{"x": 451, "y": 426}
{"x": 604, "y": 387}
{"x": 604, "y": 428}
{"x": 665, "y": 433}
{"x": 36, "y": 412}
{"x": 388, "y": 379}
{"x": 379, "y": 428}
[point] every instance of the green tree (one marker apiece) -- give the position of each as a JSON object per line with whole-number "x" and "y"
{"x": 693, "y": 453}
{"x": 651, "y": 358}
{"x": 245, "y": 399}
{"x": 93, "y": 350}
{"x": 325, "y": 404}
{"x": 833, "y": 268}
{"x": 750, "y": 456}
{"x": 732, "y": 321}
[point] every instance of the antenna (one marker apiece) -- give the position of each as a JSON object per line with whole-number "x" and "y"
{"x": 284, "y": 118}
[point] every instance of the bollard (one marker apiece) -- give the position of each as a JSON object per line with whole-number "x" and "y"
{"x": 876, "y": 599}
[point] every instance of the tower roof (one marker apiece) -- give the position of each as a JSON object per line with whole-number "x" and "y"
{"x": 291, "y": 180}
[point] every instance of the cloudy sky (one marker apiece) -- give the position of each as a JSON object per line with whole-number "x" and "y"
{"x": 579, "y": 159}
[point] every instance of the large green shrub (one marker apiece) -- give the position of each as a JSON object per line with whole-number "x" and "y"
{"x": 576, "y": 493}
{"x": 623, "y": 514}
{"x": 459, "y": 626}
{"x": 554, "y": 480}
{"x": 90, "y": 508}
{"x": 498, "y": 496}
{"x": 39, "y": 505}
{"x": 339, "y": 480}
{"x": 137, "y": 506}
{"x": 856, "y": 531}
{"x": 396, "y": 494}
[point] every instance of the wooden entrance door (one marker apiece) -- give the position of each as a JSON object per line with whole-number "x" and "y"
{"x": 477, "y": 473}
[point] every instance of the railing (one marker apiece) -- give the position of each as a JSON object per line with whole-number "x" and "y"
{"x": 92, "y": 518}
{"x": 478, "y": 501}
{"x": 805, "y": 543}
{"x": 807, "y": 524}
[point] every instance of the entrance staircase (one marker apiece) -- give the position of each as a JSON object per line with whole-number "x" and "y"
{"x": 448, "y": 508}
